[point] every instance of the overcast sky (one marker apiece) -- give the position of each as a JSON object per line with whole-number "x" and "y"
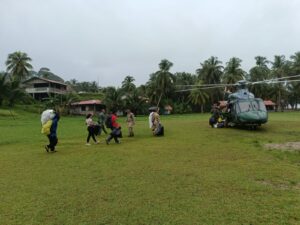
{"x": 106, "y": 40}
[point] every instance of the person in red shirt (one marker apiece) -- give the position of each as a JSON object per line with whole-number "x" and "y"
{"x": 115, "y": 129}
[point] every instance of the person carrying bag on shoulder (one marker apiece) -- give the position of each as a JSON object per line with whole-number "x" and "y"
{"x": 115, "y": 128}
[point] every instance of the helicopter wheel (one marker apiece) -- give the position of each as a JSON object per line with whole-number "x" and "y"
{"x": 253, "y": 127}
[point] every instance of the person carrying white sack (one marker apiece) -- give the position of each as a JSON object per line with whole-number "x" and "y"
{"x": 49, "y": 119}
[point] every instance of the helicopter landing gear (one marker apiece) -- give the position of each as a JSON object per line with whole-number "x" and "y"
{"x": 253, "y": 127}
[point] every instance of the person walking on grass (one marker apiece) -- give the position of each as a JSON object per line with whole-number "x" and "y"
{"x": 111, "y": 122}
{"x": 90, "y": 128}
{"x": 155, "y": 120}
{"x": 101, "y": 120}
{"x": 130, "y": 120}
{"x": 53, "y": 140}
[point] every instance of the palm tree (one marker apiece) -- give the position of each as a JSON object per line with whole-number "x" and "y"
{"x": 182, "y": 80}
{"x": 113, "y": 99}
{"x": 18, "y": 65}
{"x": 258, "y": 73}
{"x": 151, "y": 89}
{"x": 164, "y": 79}
{"x": 4, "y": 86}
{"x": 15, "y": 92}
{"x": 296, "y": 63}
{"x": 280, "y": 68}
{"x": 294, "y": 87}
{"x": 233, "y": 71}
{"x": 128, "y": 85}
{"x": 198, "y": 96}
{"x": 210, "y": 73}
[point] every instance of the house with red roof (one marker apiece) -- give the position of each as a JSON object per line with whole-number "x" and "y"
{"x": 269, "y": 104}
{"x": 85, "y": 107}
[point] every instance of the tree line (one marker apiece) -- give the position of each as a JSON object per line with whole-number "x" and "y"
{"x": 163, "y": 87}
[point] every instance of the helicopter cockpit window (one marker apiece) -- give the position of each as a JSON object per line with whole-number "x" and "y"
{"x": 258, "y": 105}
{"x": 245, "y": 106}
{"x": 255, "y": 105}
{"x": 262, "y": 106}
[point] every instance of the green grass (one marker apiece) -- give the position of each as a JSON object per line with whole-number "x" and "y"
{"x": 193, "y": 175}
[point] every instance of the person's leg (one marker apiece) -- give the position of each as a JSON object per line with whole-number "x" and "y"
{"x": 103, "y": 128}
{"x": 116, "y": 139}
{"x": 110, "y": 136}
{"x": 89, "y": 136}
{"x": 107, "y": 140}
{"x": 47, "y": 146}
{"x": 154, "y": 129}
{"x": 93, "y": 136}
{"x": 53, "y": 142}
{"x": 131, "y": 132}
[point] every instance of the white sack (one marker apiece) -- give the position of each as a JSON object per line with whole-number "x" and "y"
{"x": 47, "y": 115}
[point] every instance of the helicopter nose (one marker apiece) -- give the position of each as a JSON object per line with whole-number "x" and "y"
{"x": 257, "y": 117}
{"x": 250, "y": 117}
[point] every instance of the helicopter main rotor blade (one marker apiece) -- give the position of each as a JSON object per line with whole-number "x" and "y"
{"x": 191, "y": 87}
{"x": 273, "y": 80}
{"x": 200, "y": 88}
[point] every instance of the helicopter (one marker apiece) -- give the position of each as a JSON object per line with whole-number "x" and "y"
{"x": 243, "y": 109}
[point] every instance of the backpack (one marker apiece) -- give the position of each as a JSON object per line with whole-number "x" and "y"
{"x": 108, "y": 122}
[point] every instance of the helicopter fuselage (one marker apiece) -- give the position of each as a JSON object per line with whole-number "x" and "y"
{"x": 246, "y": 112}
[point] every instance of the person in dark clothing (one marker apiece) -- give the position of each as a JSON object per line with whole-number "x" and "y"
{"x": 101, "y": 120}
{"x": 115, "y": 129}
{"x": 90, "y": 127}
{"x": 53, "y": 140}
{"x": 215, "y": 111}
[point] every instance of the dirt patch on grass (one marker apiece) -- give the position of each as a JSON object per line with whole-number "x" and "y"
{"x": 288, "y": 146}
{"x": 280, "y": 185}
{"x": 276, "y": 186}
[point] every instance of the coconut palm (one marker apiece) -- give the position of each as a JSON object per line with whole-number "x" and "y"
{"x": 258, "y": 73}
{"x": 113, "y": 98}
{"x": 18, "y": 65}
{"x": 151, "y": 89}
{"x": 233, "y": 71}
{"x": 127, "y": 84}
{"x": 296, "y": 63}
{"x": 210, "y": 73}
{"x": 4, "y": 86}
{"x": 164, "y": 79}
{"x": 199, "y": 96}
{"x": 182, "y": 80}
{"x": 294, "y": 87}
{"x": 15, "y": 92}
{"x": 280, "y": 68}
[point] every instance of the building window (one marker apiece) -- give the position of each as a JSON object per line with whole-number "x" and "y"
{"x": 83, "y": 108}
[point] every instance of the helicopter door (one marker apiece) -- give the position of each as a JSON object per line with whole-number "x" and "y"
{"x": 235, "y": 110}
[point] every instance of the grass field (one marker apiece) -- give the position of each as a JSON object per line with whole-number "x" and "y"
{"x": 193, "y": 175}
